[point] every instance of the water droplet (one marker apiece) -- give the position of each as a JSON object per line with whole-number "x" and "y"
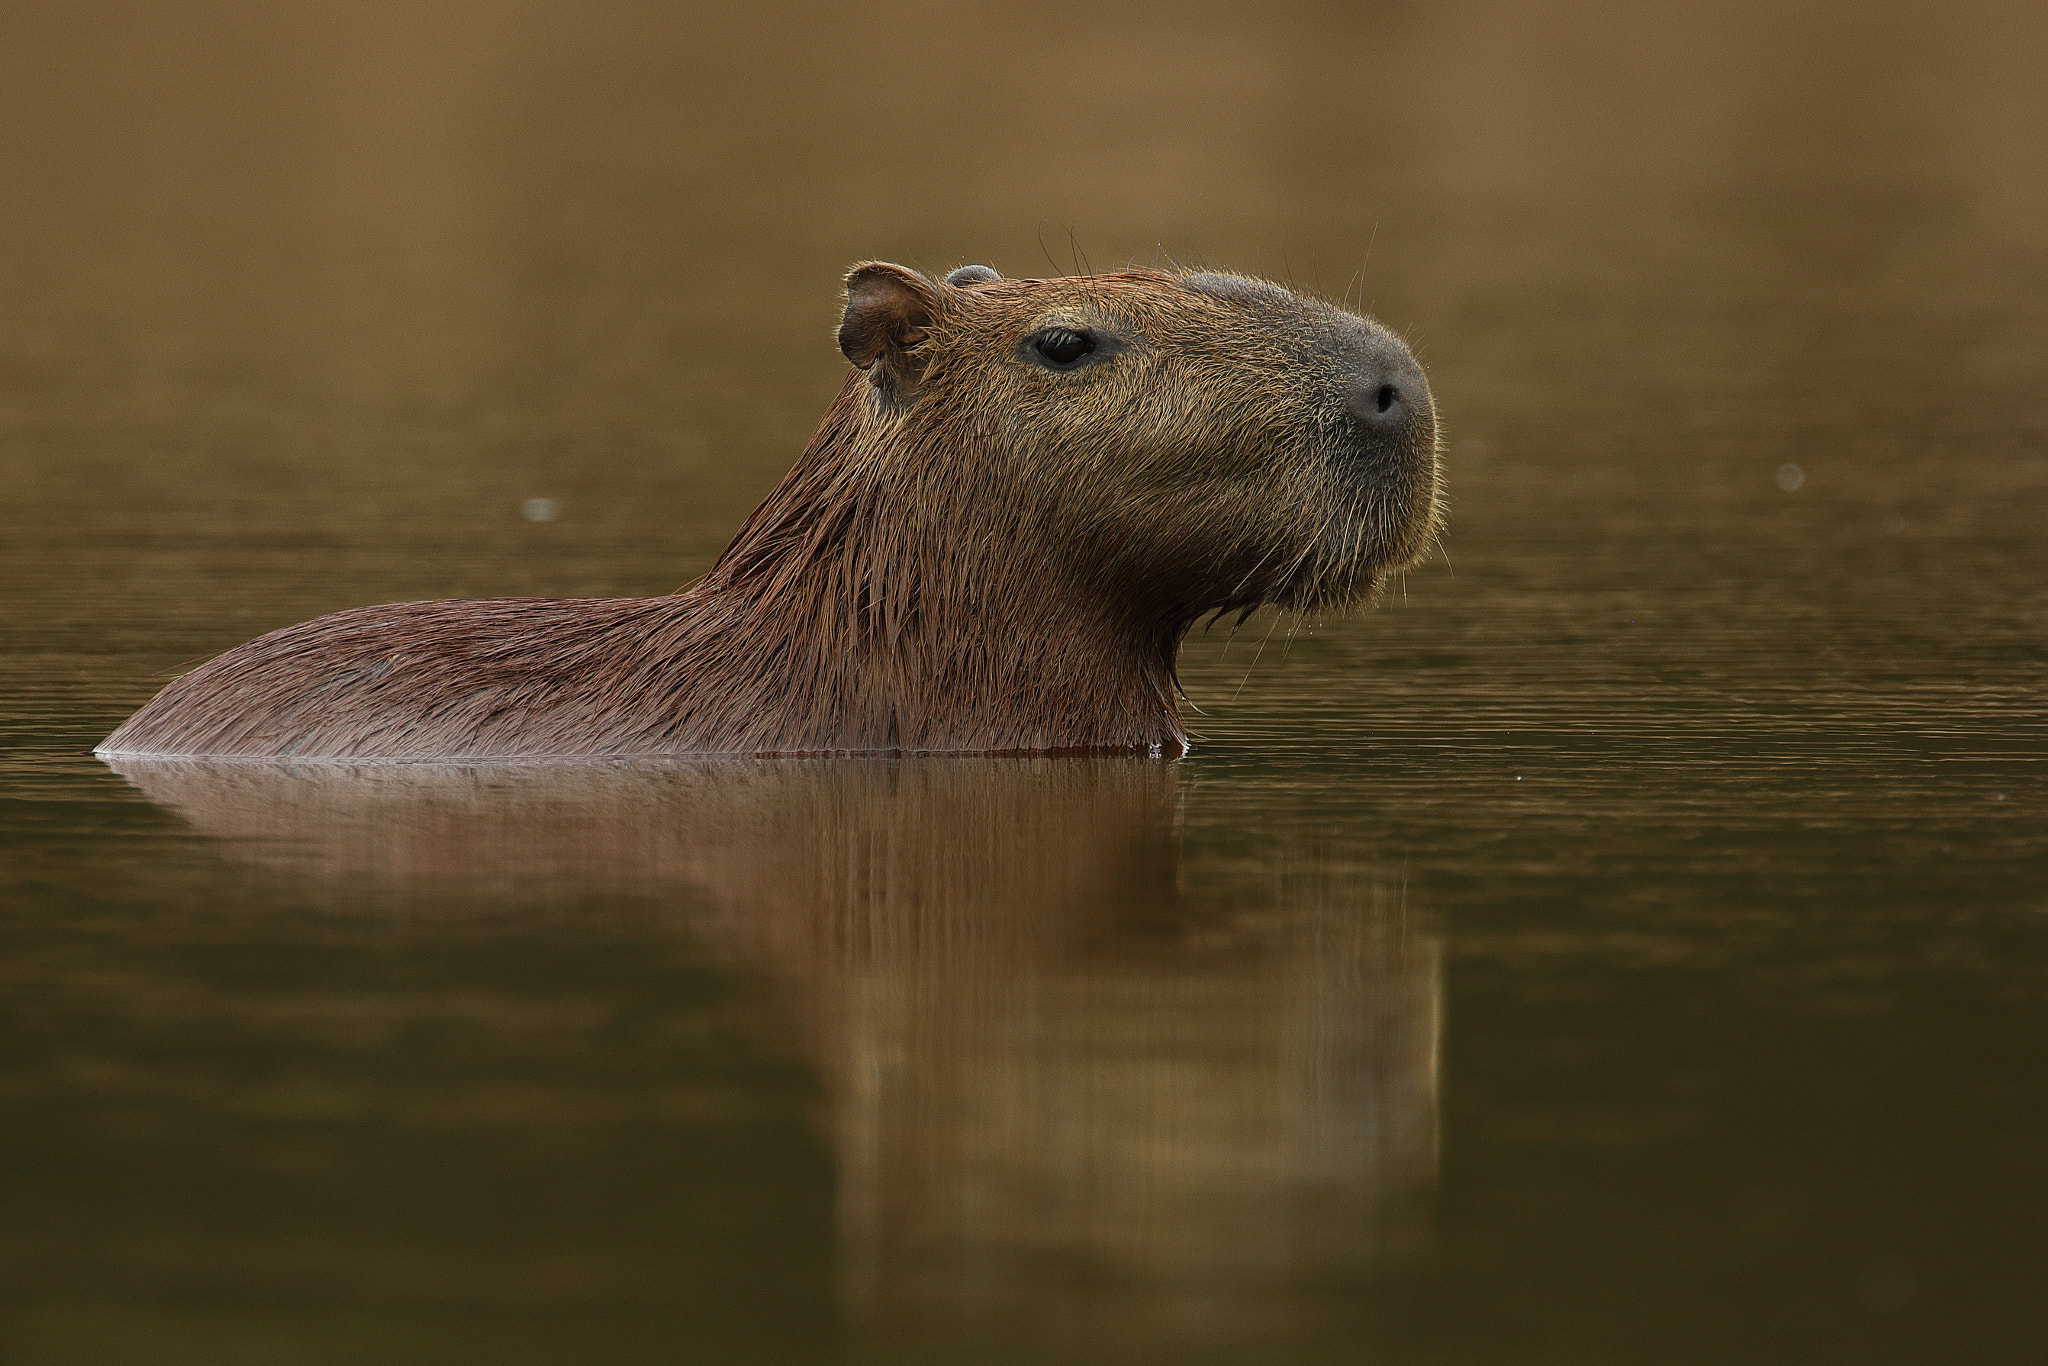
{"x": 1790, "y": 477}
{"x": 540, "y": 509}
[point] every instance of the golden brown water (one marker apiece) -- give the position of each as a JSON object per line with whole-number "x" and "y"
{"x": 1630, "y": 945}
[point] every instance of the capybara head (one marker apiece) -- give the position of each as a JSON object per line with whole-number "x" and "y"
{"x": 1183, "y": 442}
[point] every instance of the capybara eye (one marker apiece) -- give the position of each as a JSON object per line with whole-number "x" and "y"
{"x": 1061, "y": 346}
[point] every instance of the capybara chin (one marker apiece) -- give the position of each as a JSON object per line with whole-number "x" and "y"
{"x": 1022, "y": 498}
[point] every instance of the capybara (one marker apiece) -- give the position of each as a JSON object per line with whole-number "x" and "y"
{"x": 1025, "y": 494}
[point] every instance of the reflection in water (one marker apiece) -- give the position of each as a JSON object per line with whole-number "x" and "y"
{"x": 1077, "y": 1077}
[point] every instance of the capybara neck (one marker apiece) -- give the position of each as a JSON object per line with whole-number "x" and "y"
{"x": 899, "y": 633}
{"x": 1020, "y": 501}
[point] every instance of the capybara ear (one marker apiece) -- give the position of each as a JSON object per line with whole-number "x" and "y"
{"x": 888, "y": 309}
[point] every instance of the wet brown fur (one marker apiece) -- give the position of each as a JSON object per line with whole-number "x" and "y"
{"x": 974, "y": 554}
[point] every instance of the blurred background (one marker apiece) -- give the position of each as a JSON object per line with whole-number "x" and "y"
{"x": 1626, "y": 945}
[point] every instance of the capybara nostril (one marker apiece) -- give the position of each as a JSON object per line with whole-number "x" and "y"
{"x": 1380, "y": 400}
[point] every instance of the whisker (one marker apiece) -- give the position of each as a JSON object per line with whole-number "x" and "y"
{"x": 1249, "y": 669}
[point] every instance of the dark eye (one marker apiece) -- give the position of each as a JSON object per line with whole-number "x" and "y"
{"x": 1061, "y": 346}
